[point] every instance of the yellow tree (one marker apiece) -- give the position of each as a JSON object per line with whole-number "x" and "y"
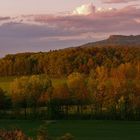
{"x": 26, "y": 91}
{"x": 78, "y": 89}
{"x": 60, "y": 99}
{"x": 19, "y": 94}
{"x": 38, "y": 86}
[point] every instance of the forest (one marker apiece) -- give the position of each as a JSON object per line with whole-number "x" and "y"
{"x": 63, "y": 62}
{"x": 100, "y": 83}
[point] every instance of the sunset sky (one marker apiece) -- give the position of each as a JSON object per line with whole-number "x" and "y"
{"x": 41, "y": 25}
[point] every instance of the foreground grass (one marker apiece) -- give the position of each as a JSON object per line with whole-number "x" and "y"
{"x": 82, "y": 130}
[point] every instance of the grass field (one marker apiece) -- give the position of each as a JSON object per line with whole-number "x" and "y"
{"x": 83, "y": 130}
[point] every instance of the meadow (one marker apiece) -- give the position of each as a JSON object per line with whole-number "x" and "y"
{"x": 81, "y": 130}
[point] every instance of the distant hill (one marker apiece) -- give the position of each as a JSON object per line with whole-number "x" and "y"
{"x": 114, "y": 51}
{"x": 117, "y": 40}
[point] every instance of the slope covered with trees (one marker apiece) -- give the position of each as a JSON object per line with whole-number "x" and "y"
{"x": 106, "y": 93}
{"x": 101, "y": 82}
{"x": 63, "y": 62}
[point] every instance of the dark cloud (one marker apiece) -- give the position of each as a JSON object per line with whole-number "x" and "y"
{"x": 24, "y": 30}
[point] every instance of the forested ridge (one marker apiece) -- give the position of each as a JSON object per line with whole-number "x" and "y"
{"x": 63, "y": 62}
{"x": 100, "y": 82}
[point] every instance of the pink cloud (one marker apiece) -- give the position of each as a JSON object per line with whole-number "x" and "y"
{"x": 117, "y": 1}
{"x": 45, "y": 32}
{"x": 106, "y": 21}
{"x": 4, "y": 18}
{"x": 85, "y": 9}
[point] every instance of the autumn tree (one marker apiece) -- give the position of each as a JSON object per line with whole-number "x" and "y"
{"x": 19, "y": 93}
{"x": 78, "y": 89}
{"x": 61, "y": 98}
{"x": 2, "y": 99}
{"x": 26, "y": 91}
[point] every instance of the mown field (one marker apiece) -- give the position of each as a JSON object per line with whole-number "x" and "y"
{"x": 82, "y": 130}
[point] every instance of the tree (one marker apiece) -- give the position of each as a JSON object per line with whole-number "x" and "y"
{"x": 61, "y": 98}
{"x": 19, "y": 93}
{"x": 78, "y": 89}
{"x": 38, "y": 86}
{"x": 26, "y": 91}
{"x": 2, "y": 99}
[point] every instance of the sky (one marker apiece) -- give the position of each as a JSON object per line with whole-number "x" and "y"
{"x": 43, "y": 25}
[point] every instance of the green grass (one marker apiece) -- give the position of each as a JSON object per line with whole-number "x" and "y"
{"x": 83, "y": 130}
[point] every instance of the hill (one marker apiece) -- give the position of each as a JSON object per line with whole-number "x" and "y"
{"x": 109, "y": 53}
{"x": 117, "y": 40}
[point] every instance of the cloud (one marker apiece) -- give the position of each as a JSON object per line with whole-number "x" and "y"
{"x": 117, "y": 1}
{"x": 100, "y": 9}
{"x": 85, "y": 9}
{"x": 111, "y": 20}
{"x": 4, "y": 18}
{"x": 45, "y": 32}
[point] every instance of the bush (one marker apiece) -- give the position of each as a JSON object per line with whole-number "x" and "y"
{"x": 67, "y": 136}
{"x": 42, "y": 134}
{"x": 13, "y": 135}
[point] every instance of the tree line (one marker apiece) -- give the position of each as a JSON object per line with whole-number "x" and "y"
{"x": 106, "y": 93}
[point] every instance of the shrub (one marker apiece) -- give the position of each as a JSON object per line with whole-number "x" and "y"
{"x": 13, "y": 135}
{"x": 67, "y": 136}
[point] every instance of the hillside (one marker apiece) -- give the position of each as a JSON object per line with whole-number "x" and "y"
{"x": 65, "y": 61}
{"x": 117, "y": 40}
